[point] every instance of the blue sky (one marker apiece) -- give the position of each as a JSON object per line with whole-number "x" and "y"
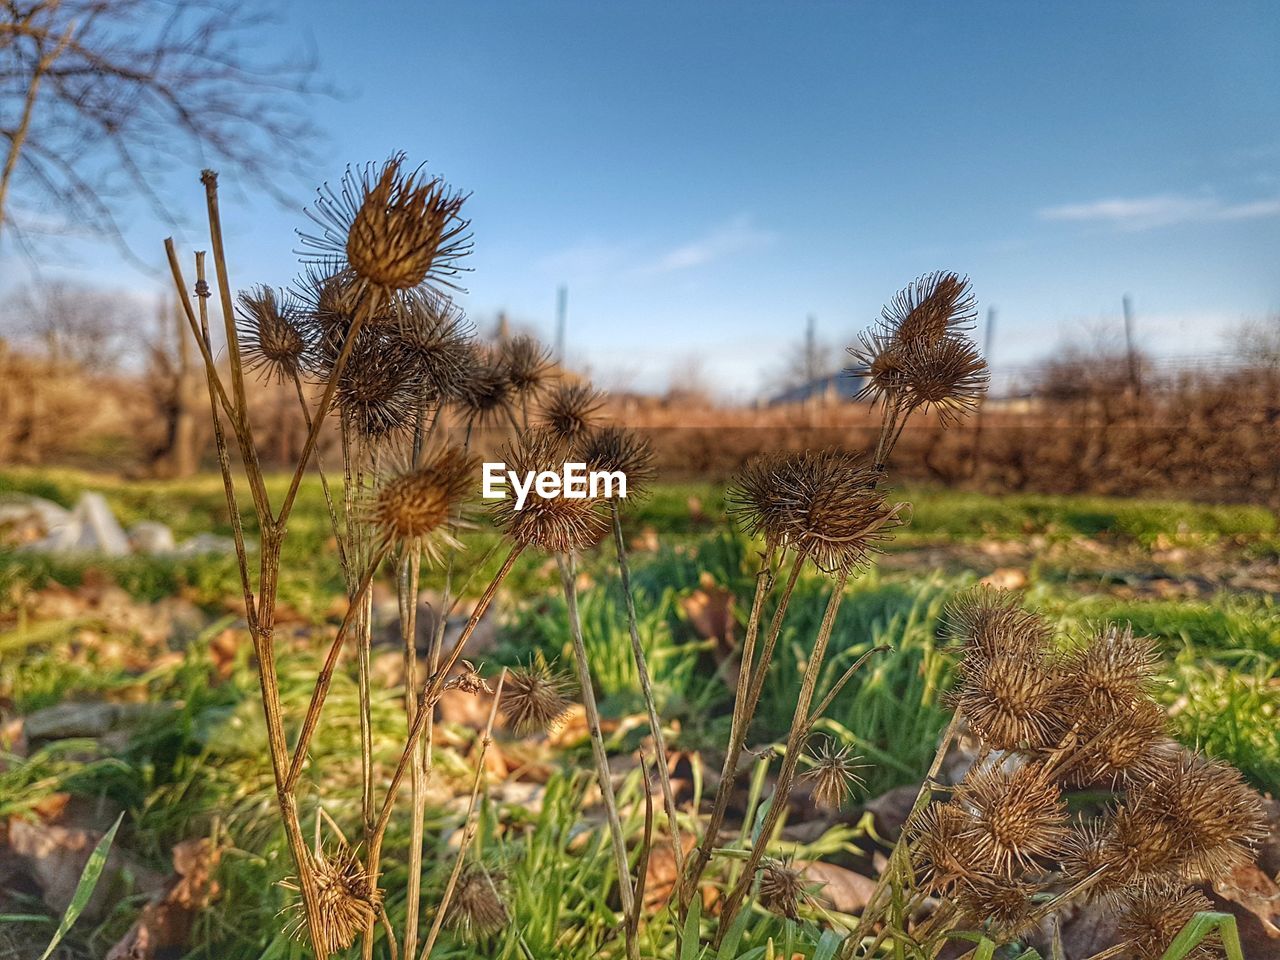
{"x": 703, "y": 175}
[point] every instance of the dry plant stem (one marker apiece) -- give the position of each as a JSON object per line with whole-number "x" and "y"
{"x": 410, "y": 567}
{"x": 324, "y": 479}
{"x": 845, "y": 677}
{"x": 469, "y": 826}
{"x": 568, "y": 573}
{"x": 646, "y": 688}
{"x": 799, "y": 733}
{"x": 430, "y": 695}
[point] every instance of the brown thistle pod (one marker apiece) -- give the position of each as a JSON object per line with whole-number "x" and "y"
{"x": 987, "y": 623}
{"x": 1010, "y": 701}
{"x": 782, "y": 888}
{"x": 484, "y": 395}
{"x": 935, "y": 306}
{"x": 1090, "y": 853}
{"x": 949, "y": 377}
{"x": 1217, "y": 817}
{"x": 942, "y": 848}
{"x": 394, "y": 229}
{"x": 1018, "y": 817}
{"x": 346, "y": 903}
{"x": 833, "y": 775}
{"x": 620, "y": 450}
{"x": 534, "y": 698}
{"x": 270, "y": 332}
{"x": 379, "y": 388}
{"x": 1113, "y": 668}
{"x": 479, "y": 908}
{"x": 435, "y": 336}
{"x": 824, "y": 505}
{"x": 553, "y": 524}
{"x": 1142, "y": 843}
{"x": 878, "y": 363}
{"x": 1153, "y": 914}
{"x": 527, "y": 364}
{"x": 328, "y": 297}
{"x": 424, "y": 505}
{"x": 570, "y": 410}
{"x": 1005, "y": 904}
{"x": 1120, "y": 743}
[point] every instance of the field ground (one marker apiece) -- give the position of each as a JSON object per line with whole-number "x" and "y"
{"x": 180, "y": 748}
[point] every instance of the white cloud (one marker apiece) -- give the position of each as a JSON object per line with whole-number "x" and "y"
{"x": 1145, "y": 213}
{"x": 736, "y": 236}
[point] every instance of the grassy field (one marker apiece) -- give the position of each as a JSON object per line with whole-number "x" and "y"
{"x": 1202, "y": 579}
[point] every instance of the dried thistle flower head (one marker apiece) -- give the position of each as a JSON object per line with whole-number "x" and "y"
{"x": 435, "y": 336}
{"x": 420, "y": 506}
{"x": 948, "y": 377}
{"x": 933, "y": 307}
{"x": 1090, "y": 849}
{"x": 527, "y": 364}
{"x": 484, "y": 394}
{"x": 1142, "y": 844}
{"x": 478, "y": 908}
{"x": 1018, "y": 816}
{"x": 570, "y": 410}
{"x": 782, "y": 888}
{"x": 1217, "y": 818}
{"x": 469, "y": 680}
{"x": 834, "y": 774}
{"x": 942, "y": 837}
{"x": 534, "y": 698}
{"x": 1003, "y": 903}
{"x": 1154, "y": 914}
{"x": 823, "y": 504}
{"x": 1120, "y": 743}
{"x": 1010, "y": 701}
{"x": 551, "y": 524}
{"x": 346, "y": 902}
{"x": 271, "y": 337}
{"x": 379, "y": 387}
{"x": 395, "y": 229}
{"x": 1113, "y": 668}
{"x": 617, "y": 449}
{"x": 328, "y": 298}
{"x": 988, "y": 622}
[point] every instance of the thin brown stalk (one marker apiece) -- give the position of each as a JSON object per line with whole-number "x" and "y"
{"x": 410, "y": 567}
{"x": 470, "y": 823}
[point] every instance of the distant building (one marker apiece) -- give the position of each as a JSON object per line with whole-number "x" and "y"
{"x": 841, "y": 385}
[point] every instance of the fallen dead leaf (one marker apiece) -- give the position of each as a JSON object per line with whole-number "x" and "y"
{"x": 165, "y": 923}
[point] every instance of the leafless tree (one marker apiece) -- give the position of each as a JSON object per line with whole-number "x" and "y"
{"x": 99, "y": 98}
{"x": 71, "y": 324}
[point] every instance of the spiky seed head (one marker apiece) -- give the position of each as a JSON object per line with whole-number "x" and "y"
{"x": 346, "y": 902}
{"x": 987, "y": 622}
{"x": 436, "y": 336}
{"x": 942, "y": 836}
{"x": 527, "y": 364}
{"x": 933, "y": 307}
{"x": 534, "y": 698}
{"x": 1019, "y": 816}
{"x": 1010, "y": 702}
{"x": 570, "y": 410}
{"x": 328, "y": 296}
{"x": 618, "y": 449}
{"x": 834, "y": 774}
{"x": 1216, "y": 816}
{"x": 1153, "y": 914}
{"x": 469, "y": 680}
{"x": 823, "y": 504}
{"x": 1113, "y": 668}
{"x": 484, "y": 395}
{"x": 271, "y": 338}
{"x": 782, "y": 888}
{"x": 395, "y": 229}
{"x": 1090, "y": 852}
{"x": 552, "y": 524}
{"x": 420, "y": 506}
{"x": 878, "y": 362}
{"x": 1005, "y": 903}
{"x": 1142, "y": 844}
{"x": 948, "y": 377}
{"x": 1120, "y": 743}
{"x": 379, "y": 388}
{"x": 478, "y": 908}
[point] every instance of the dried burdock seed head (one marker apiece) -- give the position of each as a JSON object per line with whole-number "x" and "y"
{"x": 619, "y": 450}
{"x": 834, "y": 774}
{"x": 527, "y": 364}
{"x": 1010, "y": 701}
{"x": 554, "y": 524}
{"x": 1090, "y": 852}
{"x": 1153, "y": 914}
{"x": 1003, "y": 903}
{"x": 478, "y": 908}
{"x": 1113, "y": 668}
{"x": 988, "y": 623}
{"x": 1018, "y": 816}
{"x": 379, "y": 388}
{"x": 469, "y": 680}
{"x": 942, "y": 846}
{"x": 1120, "y": 744}
{"x": 948, "y": 377}
{"x": 534, "y": 698}
{"x": 484, "y": 394}
{"x": 878, "y": 363}
{"x": 346, "y": 903}
{"x": 328, "y": 298}
{"x": 271, "y": 337}
{"x": 436, "y": 337}
{"x": 782, "y": 888}
{"x": 1217, "y": 817}
{"x": 823, "y": 504}
{"x": 1142, "y": 844}
{"x": 570, "y": 410}
{"x": 422, "y": 506}
{"x": 935, "y": 306}
{"x": 395, "y": 229}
